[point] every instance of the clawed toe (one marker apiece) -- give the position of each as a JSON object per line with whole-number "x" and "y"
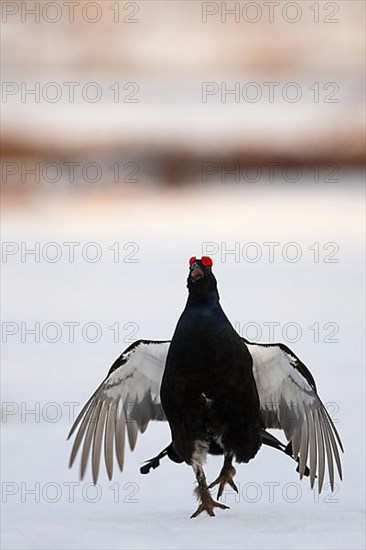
{"x": 206, "y": 502}
{"x": 208, "y": 506}
{"x": 222, "y": 480}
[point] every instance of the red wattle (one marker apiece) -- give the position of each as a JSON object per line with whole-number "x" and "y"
{"x": 207, "y": 261}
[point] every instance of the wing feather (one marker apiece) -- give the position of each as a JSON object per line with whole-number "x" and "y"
{"x": 120, "y": 438}
{"x": 331, "y": 429}
{"x": 92, "y": 423}
{"x": 289, "y": 401}
{"x": 80, "y": 434}
{"x": 313, "y": 447}
{"x": 132, "y": 432}
{"x": 109, "y": 438}
{"x": 329, "y": 455}
{"x": 83, "y": 411}
{"x": 304, "y": 447}
{"x": 296, "y": 441}
{"x": 320, "y": 439}
{"x": 127, "y": 400}
{"x": 97, "y": 440}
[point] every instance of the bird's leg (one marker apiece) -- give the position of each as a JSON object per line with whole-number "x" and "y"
{"x": 226, "y": 476}
{"x": 206, "y": 502}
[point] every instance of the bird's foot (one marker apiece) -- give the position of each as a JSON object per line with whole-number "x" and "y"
{"x": 226, "y": 477}
{"x": 207, "y": 504}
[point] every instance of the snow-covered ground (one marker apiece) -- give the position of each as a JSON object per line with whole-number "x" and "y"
{"x": 43, "y": 503}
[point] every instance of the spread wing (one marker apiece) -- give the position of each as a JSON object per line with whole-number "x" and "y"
{"x": 289, "y": 400}
{"x": 126, "y": 400}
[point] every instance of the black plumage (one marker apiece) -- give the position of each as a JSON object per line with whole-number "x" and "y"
{"x": 208, "y": 391}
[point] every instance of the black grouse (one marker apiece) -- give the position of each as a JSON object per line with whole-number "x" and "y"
{"x": 208, "y": 391}
{"x": 218, "y": 392}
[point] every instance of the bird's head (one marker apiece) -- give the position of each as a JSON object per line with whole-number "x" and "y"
{"x": 201, "y": 280}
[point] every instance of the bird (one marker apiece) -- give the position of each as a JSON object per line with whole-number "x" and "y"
{"x": 208, "y": 391}
{"x": 219, "y": 393}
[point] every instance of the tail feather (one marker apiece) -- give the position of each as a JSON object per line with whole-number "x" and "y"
{"x": 272, "y": 441}
{"x": 267, "y": 439}
{"x": 155, "y": 462}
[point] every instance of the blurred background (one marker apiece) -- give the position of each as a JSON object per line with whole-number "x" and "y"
{"x": 171, "y": 85}
{"x": 135, "y": 135}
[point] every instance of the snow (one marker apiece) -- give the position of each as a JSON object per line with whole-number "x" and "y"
{"x": 274, "y": 508}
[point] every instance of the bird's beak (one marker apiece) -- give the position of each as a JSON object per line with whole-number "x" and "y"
{"x": 196, "y": 274}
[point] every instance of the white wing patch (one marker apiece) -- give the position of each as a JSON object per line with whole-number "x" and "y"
{"x": 290, "y": 402}
{"x": 127, "y": 400}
